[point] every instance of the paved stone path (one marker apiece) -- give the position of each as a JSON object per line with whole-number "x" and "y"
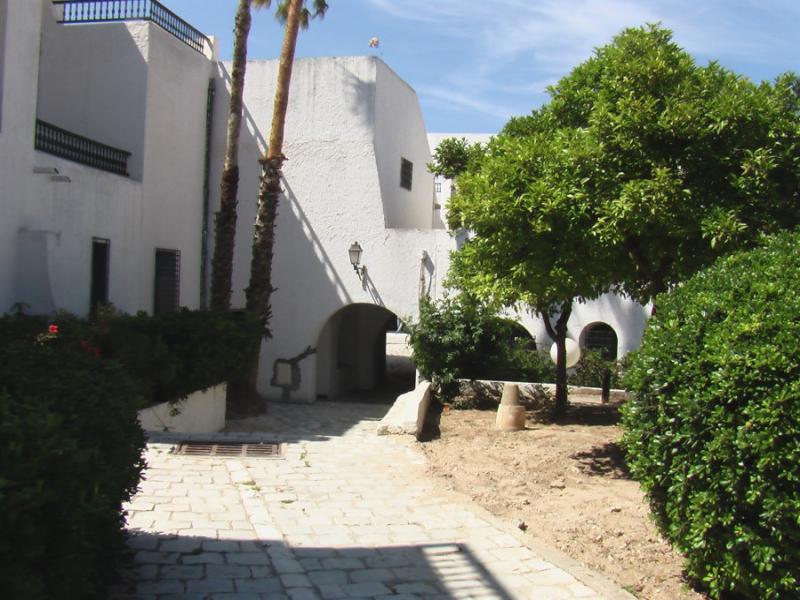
{"x": 344, "y": 514}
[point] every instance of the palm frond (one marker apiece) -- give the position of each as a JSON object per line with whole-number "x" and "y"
{"x": 320, "y": 7}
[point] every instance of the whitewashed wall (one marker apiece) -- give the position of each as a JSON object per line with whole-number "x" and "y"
{"x": 20, "y": 57}
{"x": 400, "y": 133}
{"x": 130, "y": 85}
{"x": 334, "y": 196}
{"x": 93, "y": 80}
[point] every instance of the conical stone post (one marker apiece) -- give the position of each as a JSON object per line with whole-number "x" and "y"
{"x": 510, "y": 413}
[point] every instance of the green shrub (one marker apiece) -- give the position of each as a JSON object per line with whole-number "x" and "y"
{"x": 592, "y": 367}
{"x": 712, "y": 430}
{"x": 168, "y": 356}
{"x": 70, "y": 454}
{"x": 462, "y": 338}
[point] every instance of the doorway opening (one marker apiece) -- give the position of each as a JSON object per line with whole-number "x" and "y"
{"x": 363, "y": 356}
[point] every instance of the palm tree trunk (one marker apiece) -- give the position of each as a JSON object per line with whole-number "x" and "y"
{"x": 260, "y": 288}
{"x": 225, "y": 224}
{"x": 559, "y": 335}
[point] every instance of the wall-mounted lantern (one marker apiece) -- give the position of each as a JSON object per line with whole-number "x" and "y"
{"x": 355, "y": 259}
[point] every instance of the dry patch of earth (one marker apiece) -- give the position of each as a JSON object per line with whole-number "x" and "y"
{"x": 565, "y": 483}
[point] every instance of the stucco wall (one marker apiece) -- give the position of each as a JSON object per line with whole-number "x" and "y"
{"x": 400, "y": 133}
{"x": 99, "y": 81}
{"x": 333, "y": 198}
{"x": 20, "y": 65}
{"x": 174, "y": 159}
{"x": 201, "y": 412}
{"x": 68, "y": 215}
{"x": 626, "y": 317}
{"x": 93, "y": 81}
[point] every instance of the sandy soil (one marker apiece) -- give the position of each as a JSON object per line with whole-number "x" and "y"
{"x": 567, "y": 483}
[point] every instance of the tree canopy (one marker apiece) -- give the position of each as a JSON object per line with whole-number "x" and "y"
{"x": 642, "y": 169}
{"x": 453, "y": 156}
{"x": 689, "y": 162}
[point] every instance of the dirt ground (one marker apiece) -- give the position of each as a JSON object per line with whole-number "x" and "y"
{"x": 567, "y": 482}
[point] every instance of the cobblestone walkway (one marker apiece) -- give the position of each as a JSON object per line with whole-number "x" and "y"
{"x": 344, "y": 514}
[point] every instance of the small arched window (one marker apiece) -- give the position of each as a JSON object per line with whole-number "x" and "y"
{"x": 602, "y": 337}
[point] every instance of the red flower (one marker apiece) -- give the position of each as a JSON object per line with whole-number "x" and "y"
{"x": 52, "y": 329}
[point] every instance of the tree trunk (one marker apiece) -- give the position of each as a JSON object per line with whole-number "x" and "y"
{"x": 260, "y": 289}
{"x": 559, "y": 336}
{"x": 225, "y": 224}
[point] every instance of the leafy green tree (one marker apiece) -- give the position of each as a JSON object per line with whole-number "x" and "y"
{"x": 693, "y": 162}
{"x": 642, "y": 169}
{"x": 530, "y": 216}
{"x": 453, "y": 156}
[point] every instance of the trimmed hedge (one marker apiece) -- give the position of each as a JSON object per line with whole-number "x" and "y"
{"x": 169, "y": 356}
{"x": 70, "y": 454}
{"x": 70, "y": 442}
{"x": 712, "y": 429}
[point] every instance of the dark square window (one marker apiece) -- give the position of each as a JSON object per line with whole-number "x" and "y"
{"x": 98, "y": 294}
{"x": 406, "y": 173}
{"x": 168, "y": 281}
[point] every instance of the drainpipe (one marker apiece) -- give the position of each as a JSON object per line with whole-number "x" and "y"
{"x": 206, "y": 196}
{"x": 422, "y": 262}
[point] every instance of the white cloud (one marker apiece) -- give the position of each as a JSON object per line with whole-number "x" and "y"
{"x": 547, "y": 38}
{"x": 465, "y": 101}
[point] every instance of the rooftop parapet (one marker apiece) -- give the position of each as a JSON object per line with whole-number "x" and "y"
{"x": 106, "y": 11}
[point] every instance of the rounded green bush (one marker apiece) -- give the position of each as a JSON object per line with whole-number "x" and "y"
{"x": 70, "y": 455}
{"x": 712, "y": 429}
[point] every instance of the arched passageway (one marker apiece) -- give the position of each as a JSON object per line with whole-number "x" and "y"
{"x": 361, "y": 358}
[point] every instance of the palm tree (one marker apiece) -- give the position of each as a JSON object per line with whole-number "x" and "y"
{"x": 225, "y": 224}
{"x": 296, "y": 15}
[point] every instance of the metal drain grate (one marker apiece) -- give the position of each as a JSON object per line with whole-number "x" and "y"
{"x": 230, "y": 449}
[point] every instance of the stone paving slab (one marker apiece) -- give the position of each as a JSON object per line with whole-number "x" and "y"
{"x": 344, "y": 514}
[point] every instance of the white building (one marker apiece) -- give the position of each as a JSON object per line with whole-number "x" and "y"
{"x": 112, "y": 136}
{"x": 128, "y": 98}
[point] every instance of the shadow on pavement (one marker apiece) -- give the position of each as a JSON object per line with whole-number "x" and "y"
{"x": 170, "y": 567}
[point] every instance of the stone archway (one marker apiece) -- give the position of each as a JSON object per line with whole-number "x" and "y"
{"x": 352, "y": 356}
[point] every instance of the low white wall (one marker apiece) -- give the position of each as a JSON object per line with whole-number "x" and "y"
{"x": 494, "y": 389}
{"x": 201, "y": 412}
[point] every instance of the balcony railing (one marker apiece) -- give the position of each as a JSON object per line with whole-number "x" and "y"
{"x": 74, "y": 147}
{"x": 102, "y": 11}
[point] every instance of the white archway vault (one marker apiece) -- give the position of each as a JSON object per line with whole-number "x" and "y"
{"x": 351, "y": 356}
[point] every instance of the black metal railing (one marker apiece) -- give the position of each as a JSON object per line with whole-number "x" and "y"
{"x": 60, "y": 142}
{"x": 101, "y": 11}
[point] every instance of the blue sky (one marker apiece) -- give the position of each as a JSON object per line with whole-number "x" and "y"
{"x": 475, "y": 63}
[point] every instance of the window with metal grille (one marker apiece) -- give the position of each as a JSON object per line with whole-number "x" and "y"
{"x": 437, "y": 187}
{"x": 602, "y": 337}
{"x": 406, "y": 173}
{"x": 98, "y": 295}
{"x": 168, "y": 281}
